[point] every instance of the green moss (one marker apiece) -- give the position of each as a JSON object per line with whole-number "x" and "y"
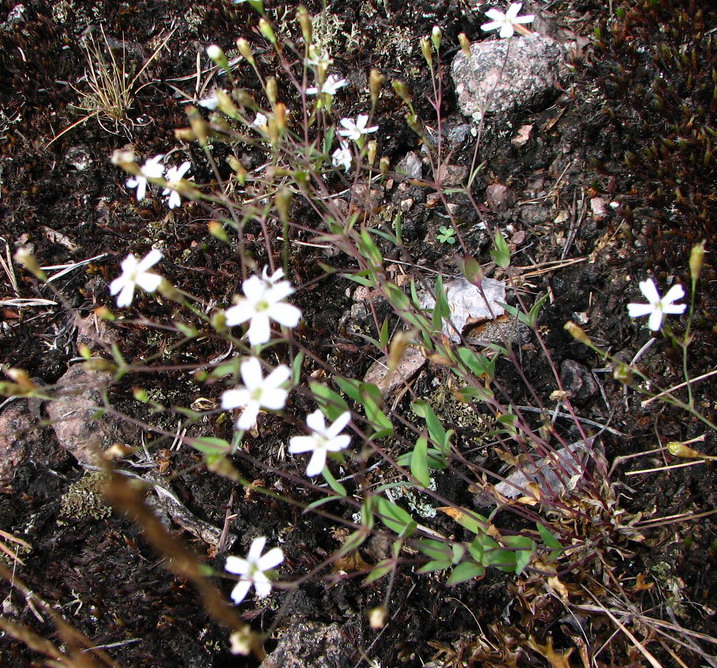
{"x": 84, "y": 499}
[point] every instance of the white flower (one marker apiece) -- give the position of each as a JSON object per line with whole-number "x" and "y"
{"x": 135, "y": 273}
{"x": 252, "y": 570}
{"x": 173, "y": 175}
{"x": 323, "y": 439}
{"x": 658, "y": 306}
{"x": 258, "y": 392}
{"x": 260, "y": 121}
{"x": 506, "y": 22}
{"x": 263, "y": 301}
{"x": 330, "y": 86}
{"x": 210, "y": 102}
{"x": 150, "y": 170}
{"x": 342, "y": 157}
{"x": 356, "y": 129}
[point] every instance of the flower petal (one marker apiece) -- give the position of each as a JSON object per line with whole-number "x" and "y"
{"x": 271, "y": 559}
{"x": 673, "y": 294}
{"x": 240, "y": 591}
{"x": 298, "y": 444}
{"x": 248, "y": 418}
{"x": 274, "y": 399}
{"x": 316, "y": 422}
{"x": 259, "y": 329}
{"x": 649, "y": 289}
{"x": 338, "y": 443}
{"x": 149, "y": 260}
{"x": 235, "y": 398}
{"x": 316, "y": 463}
{"x": 638, "y": 310}
{"x": 149, "y": 282}
{"x": 125, "y": 297}
{"x": 255, "y": 549}
{"x": 237, "y": 565}
{"x": 339, "y": 423}
{"x": 655, "y": 320}
{"x": 251, "y": 374}
{"x": 262, "y": 586}
{"x": 278, "y": 376}
{"x": 238, "y": 314}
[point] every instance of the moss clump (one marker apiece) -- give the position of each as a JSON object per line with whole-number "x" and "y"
{"x": 84, "y": 499}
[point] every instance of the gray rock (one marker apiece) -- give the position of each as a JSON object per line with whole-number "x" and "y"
{"x": 307, "y": 644}
{"x": 502, "y": 75}
{"x": 578, "y": 380}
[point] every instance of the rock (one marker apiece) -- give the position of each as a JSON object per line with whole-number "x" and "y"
{"x": 502, "y": 75}
{"x": 452, "y": 175}
{"x": 410, "y": 166}
{"x": 306, "y": 644}
{"x": 389, "y": 381}
{"x": 499, "y": 197}
{"x": 504, "y": 330}
{"x": 16, "y": 425}
{"x": 534, "y": 214}
{"x": 72, "y": 415}
{"x": 578, "y": 380}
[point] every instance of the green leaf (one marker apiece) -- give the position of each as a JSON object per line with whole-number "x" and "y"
{"x": 377, "y": 417}
{"x": 548, "y": 538}
{"x": 419, "y": 461}
{"x": 353, "y": 542}
{"x": 501, "y": 252}
{"x": 382, "y": 568}
{"x": 333, "y": 483}
{"x": 321, "y": 502}
{"x": 474, "y": 522}
{"x": 436, "y": 431}
{"x": 464, "y": 572}
{"x": 394, "y": 517}
{"x": 434, "y": 549}
{"x": 211, "y": 446}
{"x": 535, "y": 310}
{"x": 368, "y": 248}
{"x": 524, "y": 549}
{"x": 330, "y": 403}
{"x": 296, "y": 369}
{"x": 441, "y": 311}
{"x": 480, "y": 365}
{"x": 383, "y": 335}
{"x": 432, "y": 566}
{"x": 351, "y": 387}
{"x": 397, "y": 297}
{"x": 362, "y": 280}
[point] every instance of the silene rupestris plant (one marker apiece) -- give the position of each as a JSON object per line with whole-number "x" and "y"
{"x": 368, "y": 455}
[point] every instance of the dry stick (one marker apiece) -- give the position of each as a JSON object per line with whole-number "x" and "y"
{"x": 677, "y": 387}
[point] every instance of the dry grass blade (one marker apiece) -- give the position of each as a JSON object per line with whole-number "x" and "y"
{"x": 13, "y": 539}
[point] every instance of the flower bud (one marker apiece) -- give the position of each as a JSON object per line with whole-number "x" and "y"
{"x": 622, "y": 373}
{"x": 371, "y": 152}
{"x": 217, "y": 55}
{"x": 302, "y": 16}
{"x": 383, "y": 165}
{"x": 199, "y": 126}
{"x": 283, "y": 203}
{"x": 465, "y": 45}
{"x": 472, "y": 270}
{"x": 376, "y": 80}
{"x": 402, "y": 91}
{"x": 216, "y": 229}
{"x": 271, "y": 90}
{"x": 185, "y": 134}
{"x": 245, "y": 50}
{"x": 238, "y": 168}
{"x": 426, "y": 50}
{"x": 226, "y": 104}
{"x": 577, "y": 332}
{"x": 377, "y": 617}
{"x": 25, "y": 257}
{"x": 266, "y": 30}
{"x": 436, "y": 36}
{"x": 280, "y": 117}
{"x": 126, "y": 160}
{"x": 697, "y": 258}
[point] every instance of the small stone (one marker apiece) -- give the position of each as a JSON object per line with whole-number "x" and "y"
{"x": 499, "y": 197}
{"x": 410, "y": 166}
{"x": 578, "y": 381}
{"x": 452, "y": 175}
{"x": 534, "y": 214}
{"x": 306, "y": 643}
{"x": 406, "y": 204}
{"x": 599, "y": 208}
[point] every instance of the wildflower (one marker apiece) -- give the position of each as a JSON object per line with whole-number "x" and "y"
{"x": 260, "y": 121}
{"x": 175, "y": 174}
{"x": 507, "y": 22}
{"x": 323, "y": 439}
{"x": 135, "y": 273}
{"x": 658, "y": 306}
{"x": 210, "y": 102}
{"x": 342, "y": 157}
{"x": 152, "y": 169}
{"x": 258, "y": 392}
{"x": 252, "y": 570}
{"x": 356, "y": 129}
{"x": 330, "y": 86}
{"x": 263, "y": 301}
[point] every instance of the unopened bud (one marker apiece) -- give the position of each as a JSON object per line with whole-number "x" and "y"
{"x": 622, "y": 373}
{"x": 266, "y": 30}
{"x": 697, "y": 258}
{"x": 99, "y": 365}
{"x": 244, "y": 99}
{"x": 472, "y": 270}
{"x": 377, "y": 617}
{"x": 283, "y": 203}
{"x": 239, "y": 169}
{"x": 217, "y": 55}
{"x": 219, "y": 321}
{"x": 185, "y": 134}
{"x": 103, "y": 313}
{"x": 226, "y": 104}
{"x": 376, "y": 80}
{"x": 371, "y": 152}
{"x": 25, "y": 257}
{"x": 436, "y": 36}
{"x": 271, "y": 90}
{"x": 245, "y": 50}
{"x": 126, "y": 160}
{"x": 280, "y": 117}
{"x": 199, "y": 126}
{"x": 577, "y": 332}
{"x": 216, "y": 229}
{"x": 167, "y": 290}
{"x": 465, "y": 45}
{"x": 402, "y": 91}
{"x": 383, "y": 165}
{"x": 426, "y": 50}
{"x": 302, "y": 16}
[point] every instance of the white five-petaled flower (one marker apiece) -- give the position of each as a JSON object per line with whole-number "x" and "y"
{"x": 342, "y": 157}
{"x": 330, "y": 86}
{"x": 260, "y": 121}
{"x": 175, "y": 174}
{"x": 658, "y": 306}
{"x": 322, "y": 440}
{"x": 263, "y": 301}
{"x": 135, "y": 273}
{"x": 506, "y": 22}
{"x": 356, "y": 129}
{"x": 258, "y": 392}
{"x": 152, "y": 169}
{"x": 252, "y": 570}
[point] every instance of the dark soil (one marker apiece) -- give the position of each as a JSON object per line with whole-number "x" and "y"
{"x": 636, "y": 125}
